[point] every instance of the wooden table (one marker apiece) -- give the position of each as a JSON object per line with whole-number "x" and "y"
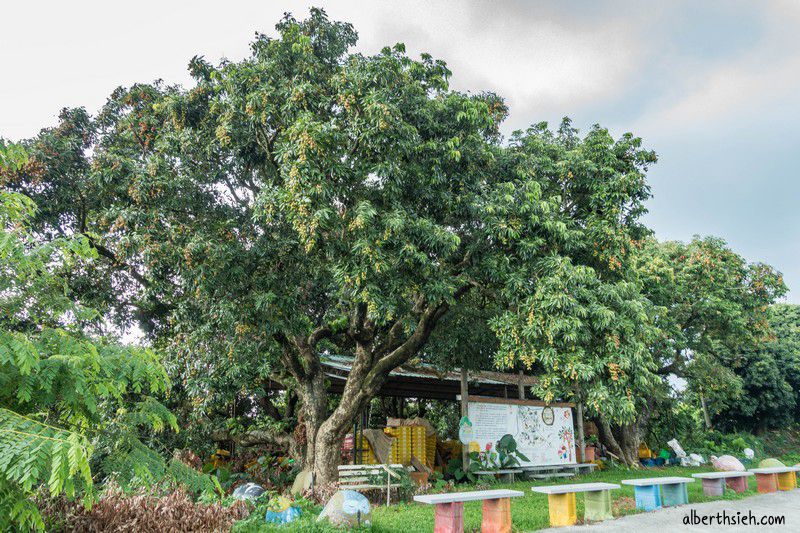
{"x": 450, "y": 509}
{"x": 648, "y": 491}
{"x": 714, "y": 482}
{"x": 775, "y": 478}
{"x": 561, "y": 502}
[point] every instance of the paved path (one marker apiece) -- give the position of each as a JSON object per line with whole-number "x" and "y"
{"x": 786, "y": 504}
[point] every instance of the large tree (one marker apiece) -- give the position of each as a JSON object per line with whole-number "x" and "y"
{"x": 714, "y": 307}
{"x": 308, "y": 200}
{"x": 770, "y": 375}
{"x": 579, "y": 317}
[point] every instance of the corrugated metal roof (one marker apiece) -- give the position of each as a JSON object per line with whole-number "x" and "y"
{"x": 424, "y": 371}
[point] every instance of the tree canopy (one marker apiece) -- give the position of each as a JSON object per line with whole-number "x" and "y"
{"x": 715, "y": 307}
{"x": 307, "y": 200}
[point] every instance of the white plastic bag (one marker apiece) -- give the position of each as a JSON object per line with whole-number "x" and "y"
{"x": 676, "y": 448}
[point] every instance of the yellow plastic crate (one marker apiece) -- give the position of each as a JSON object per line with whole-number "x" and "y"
{"x": 430, "y": 451}
{"x": 419, "y": 443}
{"x": 401, "y": 444}
{"x": 366, "y": 455}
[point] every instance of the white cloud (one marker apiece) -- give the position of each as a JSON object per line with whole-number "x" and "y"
{"x": 754, "y": 82}
{"x": 75, "y": 54}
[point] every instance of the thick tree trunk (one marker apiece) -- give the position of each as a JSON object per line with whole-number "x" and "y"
{"x": 313, "y": 411}
{"x": 621, "y": 441}
{"x": 377, "y": 352}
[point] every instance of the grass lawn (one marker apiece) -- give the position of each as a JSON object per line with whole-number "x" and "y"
{"x": 528, "y": 512}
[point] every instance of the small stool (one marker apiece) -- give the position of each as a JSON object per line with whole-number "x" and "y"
{"x": 786, "y": 481}
{"x": 675, "y": 494}
{"x": 714, "y": 487}
{"x": 737, "y": 484}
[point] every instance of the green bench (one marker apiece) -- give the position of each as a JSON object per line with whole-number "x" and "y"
{"x": 561, "y": 501}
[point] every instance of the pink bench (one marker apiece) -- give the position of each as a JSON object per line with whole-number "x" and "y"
{"x": 450, "y": 509}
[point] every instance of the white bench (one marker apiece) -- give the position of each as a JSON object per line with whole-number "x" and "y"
{"x": 588, "y": 467}
{"x": 561, "y": 502}
{"x": 551, "y": 471}
{"x": 775, "y": 478}
{"x": 648, "y": 495}
{"x": 714, "y": 482}
{"x": 450, "y": 509}
{"x": 551, "y": 475}
{"x": 506, "y": 475}
{"x": 360, "y": 477}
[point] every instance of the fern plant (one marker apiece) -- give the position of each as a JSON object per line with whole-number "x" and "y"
{"x": 62, "y": 391}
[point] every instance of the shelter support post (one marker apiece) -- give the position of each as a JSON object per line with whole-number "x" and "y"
{"x": 581, "y": 439}
{"x": 464, "y": 412}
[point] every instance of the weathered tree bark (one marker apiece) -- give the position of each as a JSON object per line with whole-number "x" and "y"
{"x": 621, "y": 441}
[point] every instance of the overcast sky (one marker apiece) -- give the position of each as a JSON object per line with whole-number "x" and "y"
{"x": 713, "y": 87}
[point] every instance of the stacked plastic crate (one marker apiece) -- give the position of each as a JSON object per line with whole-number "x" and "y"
{"x": 430, "y": 450}
{"x": 401, "y": 444}
{"x": 419, "y": 443}
{"x": 366, "y": 455}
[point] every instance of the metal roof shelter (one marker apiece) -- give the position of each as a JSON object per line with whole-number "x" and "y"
{"x": 423, "y": 381}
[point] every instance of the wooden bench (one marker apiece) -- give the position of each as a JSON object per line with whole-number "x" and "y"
{"x": 360, "y": 477}
{"x": 775, "y": 478}
{"x": 450, "y": 509}
{"x": 506, "y": 475}
{"x": 648, "y": 491}
{"x": 561, "y": 502}
{"x": 714, "y": 482}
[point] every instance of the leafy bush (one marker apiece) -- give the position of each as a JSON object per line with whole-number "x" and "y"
{"x": 268, "y": 470}
{"x": 504, "y": 455}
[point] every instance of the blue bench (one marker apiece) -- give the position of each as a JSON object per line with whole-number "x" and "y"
{"x": 648, "y": 491}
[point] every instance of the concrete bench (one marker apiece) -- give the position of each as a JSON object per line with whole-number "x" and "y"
{"x": 361, "y": 477}
{"x": 506, "y": 475}
{"x": 714, "y": 482}
{"x": 585, "y": 467}
{"x": 552, "y": 471}
{"x": 561, "y": 501}
{"x": 775, "y": 478}
{"x": 450, "y": 509}
{"x": 551, "y": 475}
{"x": 648, "y": 491}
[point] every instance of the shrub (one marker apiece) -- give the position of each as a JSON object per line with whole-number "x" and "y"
{"x": 144, "y": 512}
